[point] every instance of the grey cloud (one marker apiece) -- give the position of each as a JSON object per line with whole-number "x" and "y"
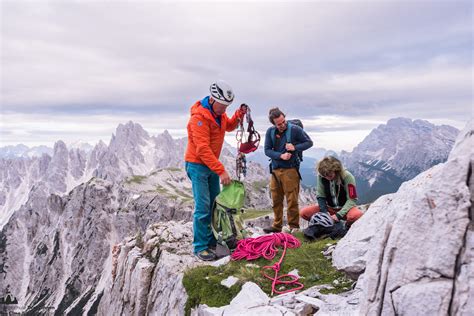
{"x": 149, "y": 57}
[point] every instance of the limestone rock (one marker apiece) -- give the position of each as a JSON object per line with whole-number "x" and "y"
{"x": 416, "y": 245}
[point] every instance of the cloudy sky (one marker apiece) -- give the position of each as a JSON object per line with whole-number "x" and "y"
{"x": 74, "y": 70}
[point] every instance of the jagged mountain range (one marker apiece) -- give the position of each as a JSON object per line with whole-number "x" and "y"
{"x": 396, "y": 152}
{"x": 131, "y": 151}
{"x": 56, "y": 248}
{"x": 22, "y": 151}
{"x": 388, "y": 156}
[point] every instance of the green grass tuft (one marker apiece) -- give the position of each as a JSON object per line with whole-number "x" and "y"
{"x": 173, "y": 169}
{"x": 183, "y": 194}
{"x": 203, "y": 283}
{"x": 161, "y": 189}
{"x": 135, "y": 179}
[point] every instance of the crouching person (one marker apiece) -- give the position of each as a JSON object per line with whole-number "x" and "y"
{"x": 336, "y": 193}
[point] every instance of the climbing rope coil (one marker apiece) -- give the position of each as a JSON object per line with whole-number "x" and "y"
{"x": 267, "y": 247}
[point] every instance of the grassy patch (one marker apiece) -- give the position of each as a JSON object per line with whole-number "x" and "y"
{"x": 171, "y": 184}
{"x": 161, "y": 189}
{"x": 203, "y": 283}
{"x": 173, "y": 193}
{"x": 183, "y": 194}
{"x": 254, "y": 213}
{"x": 136, "y": 179}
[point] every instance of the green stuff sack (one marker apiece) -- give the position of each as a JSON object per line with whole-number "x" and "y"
{"x": 227, "y": 224}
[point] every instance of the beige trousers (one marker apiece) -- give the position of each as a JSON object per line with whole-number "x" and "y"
{"x": 285, "y": 183}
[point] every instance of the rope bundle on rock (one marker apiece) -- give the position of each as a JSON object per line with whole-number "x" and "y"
{"x": 267, "y": 247}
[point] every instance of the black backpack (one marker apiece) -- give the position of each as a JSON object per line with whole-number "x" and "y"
{"x": 313, "y": 232}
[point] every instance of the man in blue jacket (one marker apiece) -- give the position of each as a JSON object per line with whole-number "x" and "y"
{"x": 283, "y": 141}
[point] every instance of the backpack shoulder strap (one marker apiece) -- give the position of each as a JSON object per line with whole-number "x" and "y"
{"x": 273, "y": 135}
{"x": 288, "y": 132}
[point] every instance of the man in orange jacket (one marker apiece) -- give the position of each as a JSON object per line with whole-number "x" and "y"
{"x": 206, "y": 131}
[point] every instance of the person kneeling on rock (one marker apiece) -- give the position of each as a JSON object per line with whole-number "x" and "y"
{"x": 336, "y": 193}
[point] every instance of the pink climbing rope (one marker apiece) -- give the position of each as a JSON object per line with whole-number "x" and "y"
{"x": 267, "y": 247}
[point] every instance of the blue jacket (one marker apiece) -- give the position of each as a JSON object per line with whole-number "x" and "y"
{"x": 300, "y": 140}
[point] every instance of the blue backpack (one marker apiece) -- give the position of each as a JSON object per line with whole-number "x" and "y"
{"x": 297, "y": 122}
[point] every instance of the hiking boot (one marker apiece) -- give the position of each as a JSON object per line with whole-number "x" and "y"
{"x": 206, "y": 255}
{"x": 271, "y": 229}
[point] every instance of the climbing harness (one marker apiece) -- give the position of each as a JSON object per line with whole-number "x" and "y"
{"x": 266, "y": 246}
{"x": 251, "y": 140}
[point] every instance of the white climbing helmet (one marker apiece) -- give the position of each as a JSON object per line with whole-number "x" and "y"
{"x": 322, "y": 218}
{"x": 222, "y": 92}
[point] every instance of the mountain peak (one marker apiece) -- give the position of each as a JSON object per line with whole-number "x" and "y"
{"x": 130, "y": 126}
{"x": 59, "y": 147}
{"x": 130, "y": 133}
{"x": 399, "y": 121}
{"x": 396, "y": 152}
{"x": 81, "y": 145}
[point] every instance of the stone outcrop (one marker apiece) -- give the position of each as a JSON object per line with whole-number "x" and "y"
{"x": 251, "y": 300}
{"x": 147, "y": 272}
{"x": 415, "y": 247}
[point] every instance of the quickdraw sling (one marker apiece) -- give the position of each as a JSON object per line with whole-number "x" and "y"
{"x": 251, "y": 140}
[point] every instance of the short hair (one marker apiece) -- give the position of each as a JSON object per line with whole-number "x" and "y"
{"x": 330, "y": 164}
{"x": 274, "y": 113}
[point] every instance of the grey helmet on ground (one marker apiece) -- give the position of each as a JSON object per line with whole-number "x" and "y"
{"x": 321, "y": 218}
{"x": 222, "y": 92}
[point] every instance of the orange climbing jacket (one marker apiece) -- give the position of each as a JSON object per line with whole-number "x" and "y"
{"x": 206, "y": 135}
